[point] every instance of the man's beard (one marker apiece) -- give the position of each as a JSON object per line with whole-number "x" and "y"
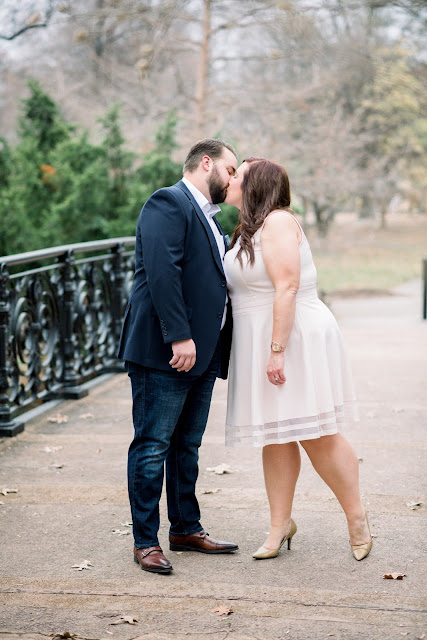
{"x": 216, "y": 187}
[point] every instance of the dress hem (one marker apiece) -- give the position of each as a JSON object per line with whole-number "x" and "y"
{"x": 293, "y": 430}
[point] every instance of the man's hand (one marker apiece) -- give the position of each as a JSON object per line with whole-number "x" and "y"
{"x": 184, "y": 355}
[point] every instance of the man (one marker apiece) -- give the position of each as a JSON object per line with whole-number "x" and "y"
{"x": 173, "y": 350}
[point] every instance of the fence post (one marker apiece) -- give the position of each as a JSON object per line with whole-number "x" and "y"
{"x": 8, "y": 427}
{"x": 117, "y": 293}
{"x": 70, "y": 389}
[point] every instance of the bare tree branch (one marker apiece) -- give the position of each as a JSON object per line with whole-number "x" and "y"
{"x": 36, "y": 25}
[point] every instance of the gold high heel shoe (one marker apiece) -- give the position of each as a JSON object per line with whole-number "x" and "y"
{"x": 262, "y": 553}
{"x": 360, "y": 551}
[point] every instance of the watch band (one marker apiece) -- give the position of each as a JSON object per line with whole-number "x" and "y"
{"x": 276, "y": 347}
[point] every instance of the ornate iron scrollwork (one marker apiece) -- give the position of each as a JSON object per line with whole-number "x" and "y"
{"x": 59, "y": 323}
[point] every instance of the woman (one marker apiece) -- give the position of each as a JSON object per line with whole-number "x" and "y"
{"x": 289, "y": 379}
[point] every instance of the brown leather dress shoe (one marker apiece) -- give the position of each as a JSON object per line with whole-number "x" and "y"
{"x": 152, "y": 559}
{"x": 200, "y": 541}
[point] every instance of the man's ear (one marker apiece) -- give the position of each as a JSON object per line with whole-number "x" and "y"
{"x": 206, "y": 163}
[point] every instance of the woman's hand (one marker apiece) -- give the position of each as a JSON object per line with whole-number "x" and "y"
{"x": 275, "y": 368}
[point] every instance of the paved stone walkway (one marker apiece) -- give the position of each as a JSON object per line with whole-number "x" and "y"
{"x": 70, "y": 507}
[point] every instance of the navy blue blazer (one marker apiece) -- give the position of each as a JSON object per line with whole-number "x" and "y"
{"x": 179, "y": 288}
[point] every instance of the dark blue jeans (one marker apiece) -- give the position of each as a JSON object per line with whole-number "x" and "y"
{"x": 170, "y": 411}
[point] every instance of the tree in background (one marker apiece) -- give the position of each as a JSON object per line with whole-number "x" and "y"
{"x": 157, "y": 170}
{"x": 392, "y": 122}
{"x": 57, "y": 187}
{"x": 286, "y": 79}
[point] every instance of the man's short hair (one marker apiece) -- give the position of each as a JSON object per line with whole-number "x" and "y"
{"x": 206, "y": 147}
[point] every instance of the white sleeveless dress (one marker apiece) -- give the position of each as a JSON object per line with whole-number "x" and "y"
{"x": 318, "y": 393}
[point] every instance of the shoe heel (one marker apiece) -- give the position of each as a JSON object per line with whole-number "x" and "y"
{"x": 178, "y": 547}
{"x": 135, "y": 559}
{"x": 289, "y": 543}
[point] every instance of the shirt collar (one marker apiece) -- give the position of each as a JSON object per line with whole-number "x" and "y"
{"x": 207, "y": 207}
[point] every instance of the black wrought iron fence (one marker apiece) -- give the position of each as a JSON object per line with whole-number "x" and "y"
{"x": 61, "y": 311}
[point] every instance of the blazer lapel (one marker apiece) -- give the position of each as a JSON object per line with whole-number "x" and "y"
{"x": 205, "y": 223}
{"x": 225, "y": 237}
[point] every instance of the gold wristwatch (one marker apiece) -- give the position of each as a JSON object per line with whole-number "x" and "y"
{"x": 276, "y": 347}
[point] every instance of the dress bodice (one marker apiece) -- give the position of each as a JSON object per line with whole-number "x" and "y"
{"x": 253, "y": 281}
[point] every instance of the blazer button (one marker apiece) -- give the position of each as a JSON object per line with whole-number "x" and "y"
{"x": 219, "y": 315}
{"x": 223, "y": 284}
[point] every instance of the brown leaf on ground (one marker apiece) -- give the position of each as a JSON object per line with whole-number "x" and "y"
{"x": 394, "y": 576}
{"x": 124, "y": 619}
{"x": 64, "y": 636}
{"x": 6, "y": 491}
{"x": 222, "y": 611}
{"x": 220, "y": 469}
{"x": 121, "y": 532}
{"x": 59, "y": 418}
{"x": 208, "y": 491}
{"x": 414, "y": 505}
{"x": 83, "y": 565}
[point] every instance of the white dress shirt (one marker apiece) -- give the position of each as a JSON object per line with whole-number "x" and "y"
{"x": 209, "y": 210}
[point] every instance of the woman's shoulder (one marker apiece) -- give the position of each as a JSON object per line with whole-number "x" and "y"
{"x": 279, "y": 219}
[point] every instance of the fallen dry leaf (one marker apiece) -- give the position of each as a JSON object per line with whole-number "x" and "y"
{"x": 220, "y": 469}
{"x": 6, "y": 491}
{"x": 394, "y": 576}
{"x": 121, "y": 532}
{"x": 124, "y": 619}
{"x": 126, "y": 524}
{"x": 208, "y": 491}
{"x": 222, "y": 611}
{"x": 59, "y": 418}
{"x": 64, "y": 636}
{"x": 414, "y": 505}
{"x": 86, "y": 416}
{"x": 83, "y": 565}
{"x": 56, "y": 466}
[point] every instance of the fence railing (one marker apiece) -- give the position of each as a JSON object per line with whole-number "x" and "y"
{"x": 61, "y": 311}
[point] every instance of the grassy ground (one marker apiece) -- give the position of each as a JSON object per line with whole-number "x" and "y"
{"x": 358, "y": 256}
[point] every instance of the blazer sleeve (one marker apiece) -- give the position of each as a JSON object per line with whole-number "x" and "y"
{"x": 163, "y": 228}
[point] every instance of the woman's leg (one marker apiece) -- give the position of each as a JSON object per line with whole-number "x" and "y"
{"x": 281, "y": 463}
{"x": 336, "y": 462}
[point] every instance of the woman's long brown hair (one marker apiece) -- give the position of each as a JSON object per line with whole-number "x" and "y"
{"x": 265, "y": 187}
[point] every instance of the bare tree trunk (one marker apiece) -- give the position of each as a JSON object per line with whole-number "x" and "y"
{"x": 202, "y": 78}
{"x": 324, "y": 216}
{"x": 99, "y": 28}
{"x": 384, "y": 208}
{"x": 366, "y": 207}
